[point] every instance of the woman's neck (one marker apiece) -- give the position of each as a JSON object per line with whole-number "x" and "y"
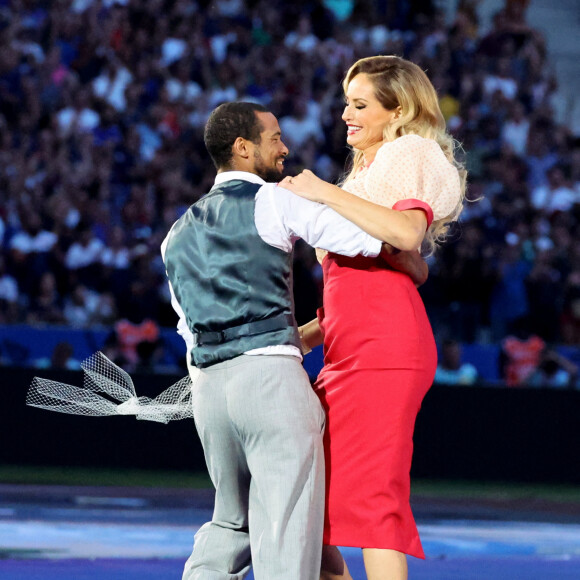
{"x": 370, "y": 152}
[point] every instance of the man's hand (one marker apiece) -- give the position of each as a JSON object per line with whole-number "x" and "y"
{"x": 410, "y": 263}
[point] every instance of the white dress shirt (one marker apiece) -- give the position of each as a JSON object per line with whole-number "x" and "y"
{"x": 281, "y": 218}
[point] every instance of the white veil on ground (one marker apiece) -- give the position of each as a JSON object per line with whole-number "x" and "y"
{"x": 108, "y": 390}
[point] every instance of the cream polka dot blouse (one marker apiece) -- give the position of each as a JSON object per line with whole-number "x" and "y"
{"x": 410, "y": 172}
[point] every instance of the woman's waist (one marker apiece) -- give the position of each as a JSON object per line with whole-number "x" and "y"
{"x": 335, "y": 265}
{"x": 370, "y": 289}
{"x": 332, "y": 260}
{"x": 355, "y": 314}
{"x": 413, "y": 356}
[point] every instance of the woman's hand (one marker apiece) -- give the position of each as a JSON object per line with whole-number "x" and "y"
{"x": 306, "y": 185}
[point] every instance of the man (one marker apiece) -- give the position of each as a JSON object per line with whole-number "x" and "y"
{"x": 229, "y": 263}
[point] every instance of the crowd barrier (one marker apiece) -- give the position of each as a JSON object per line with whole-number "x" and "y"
{"x": 23, "y": 345}
{"x": 472, "y": 433}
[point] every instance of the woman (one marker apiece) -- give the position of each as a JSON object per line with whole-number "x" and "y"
{"x": 380, "y": 355}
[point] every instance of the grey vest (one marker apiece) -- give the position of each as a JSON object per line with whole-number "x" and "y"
{"x": 235, "y": 289}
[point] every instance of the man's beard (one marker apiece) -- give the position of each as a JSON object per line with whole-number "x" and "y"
{"x": 269, "y": 174}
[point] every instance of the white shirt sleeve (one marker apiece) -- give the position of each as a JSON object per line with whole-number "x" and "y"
{"x": 182, "y": 328}
{"x": 282, "y": 217}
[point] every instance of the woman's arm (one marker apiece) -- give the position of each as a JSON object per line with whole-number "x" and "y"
{"x": 310, "y": 335}
{"x": 402, "y": 229}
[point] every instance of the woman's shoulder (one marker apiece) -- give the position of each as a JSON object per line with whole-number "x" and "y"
{"x": 409, "y": 142}
{"x": 417, "y": 149}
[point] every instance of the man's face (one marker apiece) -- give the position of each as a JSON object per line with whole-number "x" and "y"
{"x": 270, "y": 153}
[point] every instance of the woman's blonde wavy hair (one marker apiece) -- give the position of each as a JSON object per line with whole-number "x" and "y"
{"x": 401, "y": 83}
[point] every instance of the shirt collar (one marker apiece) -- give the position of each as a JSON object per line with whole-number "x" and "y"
{"x": 241, "y": 175}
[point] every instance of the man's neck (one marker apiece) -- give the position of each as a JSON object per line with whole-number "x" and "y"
{"x": 237, "y": 169}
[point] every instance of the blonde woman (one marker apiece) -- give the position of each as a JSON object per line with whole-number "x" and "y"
{"x": 379, "y": 352}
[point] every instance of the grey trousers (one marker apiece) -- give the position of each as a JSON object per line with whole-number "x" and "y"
{"x": 261, "y": 427}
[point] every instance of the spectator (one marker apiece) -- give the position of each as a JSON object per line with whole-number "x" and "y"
{"x": 130, "y": 335}
{"x": 509, "y": 299}
{"x": 31, "y": 251}
{"x": 299, "y": 127}
{"x": 302, "y": 38}
{"x": 60, "y": 359}
{"x": 450, "y": 369}
{"x": 556, "y": 194}
{"x": 174, "y": 47}
{"x": 81, "y": 307}
{"x": 45, "y": 305}
{"x": 149, "y": 355}
{"x": 540, "y": 158}
{"x": 222, "y": 88}
{"x": 501, "y": 80}
{"x": 521, "y": 354}
{"x": 554, "y": 371}
{"x": 112, "y": 350}
{"x": 180, "y": 87}
{"x": 83, "y": 258}
{"x": 514, "y": 134}
{"x": 109, "y": 131}
{"x": 78, "y": 116}
{"x": 544, "y": 291}
{"x": 116, "y": 261}
{"x": 570, "y": 320}
{"x": 8, "y": 295}
{"x": 149, "y": 131}
{"x": 112, "y": 83}
{"x": 469, "y": 277}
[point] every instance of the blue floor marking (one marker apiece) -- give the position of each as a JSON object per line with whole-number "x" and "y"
{"x": 129, "y": 538}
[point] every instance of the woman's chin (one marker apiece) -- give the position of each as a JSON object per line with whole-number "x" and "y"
{"x": 352, "y": 141}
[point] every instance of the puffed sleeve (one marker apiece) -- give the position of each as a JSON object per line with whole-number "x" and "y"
{"x": 412, "y": 172}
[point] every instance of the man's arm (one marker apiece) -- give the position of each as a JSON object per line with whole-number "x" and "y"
{"x": 410, "y": 263}
{"x": 310, "y": 335}
{"x": 282, "y": 217}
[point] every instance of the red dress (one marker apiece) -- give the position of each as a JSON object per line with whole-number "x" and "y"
{"x": 379, "y": 362}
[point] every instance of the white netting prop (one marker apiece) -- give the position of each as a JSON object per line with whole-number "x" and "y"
{"x": 108, "y": 390}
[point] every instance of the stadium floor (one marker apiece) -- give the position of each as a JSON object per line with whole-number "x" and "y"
{"x": 66, "y": 533}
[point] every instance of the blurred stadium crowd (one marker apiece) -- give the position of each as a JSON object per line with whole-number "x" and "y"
{"x": 102, "y": 108}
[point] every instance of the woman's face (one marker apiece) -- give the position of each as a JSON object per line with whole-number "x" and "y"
{"x": 364, "y": 115}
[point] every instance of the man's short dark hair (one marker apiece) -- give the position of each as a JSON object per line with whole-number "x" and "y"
{"x": 228, "y": 122}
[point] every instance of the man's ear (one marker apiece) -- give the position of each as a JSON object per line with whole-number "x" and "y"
{"x": 240, "y": 148}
